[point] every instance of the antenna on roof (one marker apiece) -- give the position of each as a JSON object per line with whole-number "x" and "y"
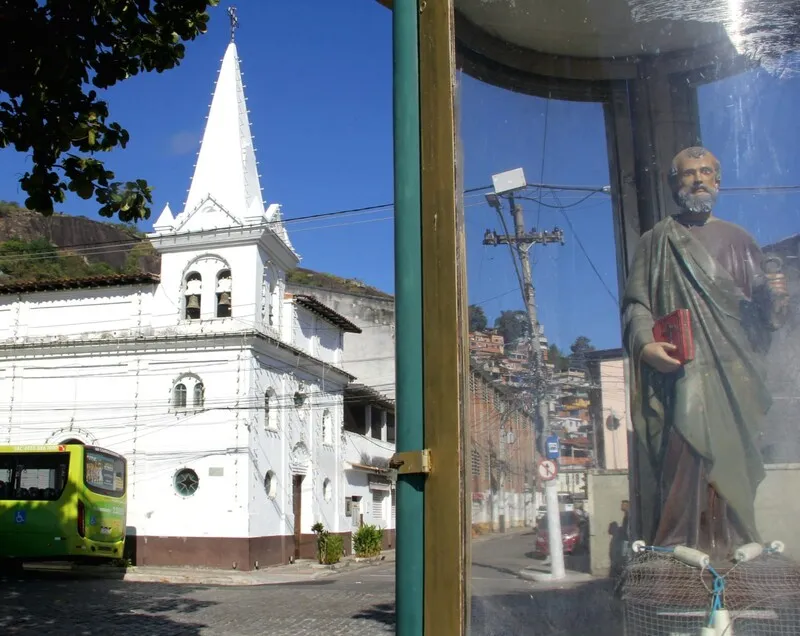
{"x": 234, "y": 21}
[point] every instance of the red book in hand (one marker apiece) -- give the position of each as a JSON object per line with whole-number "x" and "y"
{"x": 676, "y": 328}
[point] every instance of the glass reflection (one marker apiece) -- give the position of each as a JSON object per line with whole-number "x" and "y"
{"x": 653, "y": 355}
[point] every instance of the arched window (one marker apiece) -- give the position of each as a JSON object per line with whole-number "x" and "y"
{"x": 224, "y": 293}
{"x": 327, "y": 432}
{"x": 193, "y": 287}
{"x": 326, "y": 490}
{"x": 270, "y": 411}
{"x": 179, "y": 396}
{"x": 197, "y": 402}
{"x": 270, "y": 484}
{"x": 185, "y": 388}
{"x": 268, "y": 304}
{"x": 274, "y": 317}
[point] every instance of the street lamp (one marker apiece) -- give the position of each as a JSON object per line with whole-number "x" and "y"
{"x": 508, "y": 182}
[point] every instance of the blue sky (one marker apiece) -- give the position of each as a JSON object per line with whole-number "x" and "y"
{"x": 318, "y": 79}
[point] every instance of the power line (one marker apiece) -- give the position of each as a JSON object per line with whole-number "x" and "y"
{"x": 477, "y": 189}
{"x": 323, "y": 215}
{"x": 544, "y": 157}
{"x": 586, "y": 254}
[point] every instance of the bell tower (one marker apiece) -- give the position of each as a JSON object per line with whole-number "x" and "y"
{"x": 224, "y": 257}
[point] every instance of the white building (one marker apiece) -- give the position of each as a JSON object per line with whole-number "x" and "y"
{"x": 224, "y": 393}
{"x": 368, "y": 355}
{"x": 369, "y": 443}
{"x": 369, "y": 416}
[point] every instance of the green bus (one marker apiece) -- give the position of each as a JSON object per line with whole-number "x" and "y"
{"x": 61, "y": 502}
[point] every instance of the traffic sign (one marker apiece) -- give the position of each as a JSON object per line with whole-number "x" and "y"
{"x": 20, "y": 516}
{"x": 553, "y": 445}
{"x": 547, "y": 469}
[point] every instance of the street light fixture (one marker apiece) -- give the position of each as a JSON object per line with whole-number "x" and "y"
{"x": 508, "y": 182}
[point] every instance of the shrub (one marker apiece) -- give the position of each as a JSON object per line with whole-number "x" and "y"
{"x": 330, "y": 547}
{"x": 322, "y": 540}
{"x": 334, "y": 548}
{"x": 368, "y": 541}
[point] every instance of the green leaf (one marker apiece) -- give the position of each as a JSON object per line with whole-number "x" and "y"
{"x": 102, "y": 43}
{"x": 85, "y": 190}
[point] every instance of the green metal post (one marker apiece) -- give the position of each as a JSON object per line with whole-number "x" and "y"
{"x": 410, "y": 567}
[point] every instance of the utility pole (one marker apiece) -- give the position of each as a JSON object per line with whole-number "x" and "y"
{"x": 524, "y": 241}
{"x": 505, "y": 185}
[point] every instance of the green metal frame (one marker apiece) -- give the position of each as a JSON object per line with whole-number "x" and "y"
{"x": 410, "y": 568}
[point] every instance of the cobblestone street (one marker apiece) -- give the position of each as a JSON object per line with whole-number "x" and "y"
{"x": 115, "y": 607}
{"x": 357, "y": 603}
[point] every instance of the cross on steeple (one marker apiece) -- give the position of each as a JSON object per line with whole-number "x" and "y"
{"x": 234, "y": 21}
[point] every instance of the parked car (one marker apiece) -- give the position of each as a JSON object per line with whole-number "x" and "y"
{"x": 574, "y": 534}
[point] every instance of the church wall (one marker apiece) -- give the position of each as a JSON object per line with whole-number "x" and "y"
{"x": 79, "y": 313}
{"x": 330, "y": 342}
{"x": 294, "y": 439}
{"x": 303, "y": 336}
{"x": 368, "y": 355}
{"x": 124, "y": 402}
{"x": 315, "y": 335}
{"x": 270, "y": 290}
{"x": 267, "y": 440}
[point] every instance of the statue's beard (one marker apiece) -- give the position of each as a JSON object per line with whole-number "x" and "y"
{"x": 697, "y": 202}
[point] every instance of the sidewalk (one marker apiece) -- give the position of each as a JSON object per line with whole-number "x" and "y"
{"x": 509, "y": 533}
{"x": 516, "y": 558}
{"x": 298, "y": 572}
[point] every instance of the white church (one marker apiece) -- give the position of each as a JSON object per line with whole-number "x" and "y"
{"x": 223, "y": 391}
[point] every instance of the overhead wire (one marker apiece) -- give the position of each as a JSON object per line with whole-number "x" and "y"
{"x": 544, "y": 155}
{"x": 469, "y": 191}
{"x": 104, "y": 248}
{"x": 586, "y": 254}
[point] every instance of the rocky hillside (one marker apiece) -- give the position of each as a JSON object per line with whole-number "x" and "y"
{"x": 117, "y": 245}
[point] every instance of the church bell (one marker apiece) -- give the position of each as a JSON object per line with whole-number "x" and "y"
{"x": 225, "y": 299}
{"x": 193, "y": 302}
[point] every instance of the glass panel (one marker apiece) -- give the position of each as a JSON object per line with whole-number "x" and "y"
{"x": 632, "y": 203}
{"x": 559, "y": 230}
{"x": 105, "y": 473}
{"x": 34, "y": 477}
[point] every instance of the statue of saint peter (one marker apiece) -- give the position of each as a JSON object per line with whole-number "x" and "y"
{"x": 699, "y": 424}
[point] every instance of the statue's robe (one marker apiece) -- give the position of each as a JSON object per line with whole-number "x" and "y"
{"x": 698, "y": 429}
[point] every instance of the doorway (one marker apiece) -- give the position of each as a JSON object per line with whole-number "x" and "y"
{"x": 297, "y": 505}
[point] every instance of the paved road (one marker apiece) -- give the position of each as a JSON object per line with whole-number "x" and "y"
{"x": 357, "y": 603}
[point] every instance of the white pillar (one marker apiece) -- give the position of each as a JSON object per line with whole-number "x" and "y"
{"x": 554, "y": 530}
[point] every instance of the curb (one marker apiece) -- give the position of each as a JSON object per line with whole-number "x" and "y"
{"x": 514, "y": 532}
{"x": 544, "y": 577}
{"x": 276, "y": 575}
{"x": 182, "y": 577}
{"x": 221, "y": 580}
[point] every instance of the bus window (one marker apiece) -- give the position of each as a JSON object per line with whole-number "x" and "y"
{"x": 105, "y": 473}
{"x": 5, "y": 478}
{"x": 34, "y": 476}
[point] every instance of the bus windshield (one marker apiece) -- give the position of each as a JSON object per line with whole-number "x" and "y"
{"x": 105, "y": 473}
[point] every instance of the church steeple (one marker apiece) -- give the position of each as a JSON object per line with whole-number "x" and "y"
{"x": 226, "y": 169}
